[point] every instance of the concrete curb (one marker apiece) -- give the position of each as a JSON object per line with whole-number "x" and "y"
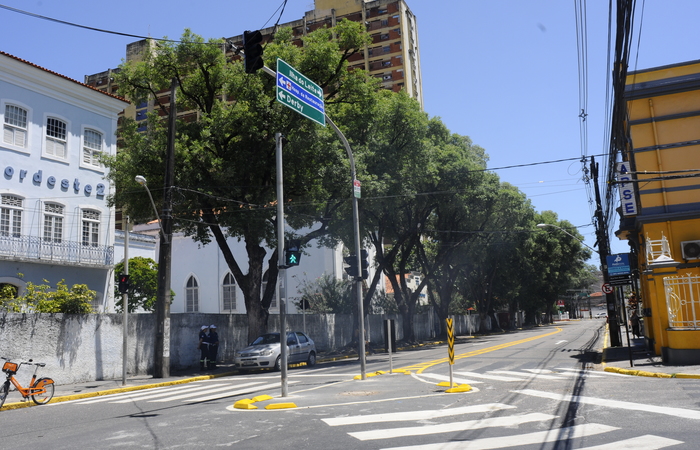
{"x": 643, "y": 373}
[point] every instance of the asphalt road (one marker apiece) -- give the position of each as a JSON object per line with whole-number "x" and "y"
{"x": 535, "y": 389}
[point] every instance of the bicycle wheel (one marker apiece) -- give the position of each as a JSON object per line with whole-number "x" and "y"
{"x": 4, "y": 390}
{"x": 44, "y": 397}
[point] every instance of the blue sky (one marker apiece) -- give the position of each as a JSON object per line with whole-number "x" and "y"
{"x": 503, "y": 72}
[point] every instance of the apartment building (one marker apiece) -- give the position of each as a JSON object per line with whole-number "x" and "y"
{"x": 55, "y": 223}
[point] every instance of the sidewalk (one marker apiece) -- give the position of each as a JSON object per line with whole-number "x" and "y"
{"x": 643, "y": 362}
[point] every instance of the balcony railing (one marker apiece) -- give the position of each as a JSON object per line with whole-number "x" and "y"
{"x": 32, "y": 248}
{"x": 683, "y": 301}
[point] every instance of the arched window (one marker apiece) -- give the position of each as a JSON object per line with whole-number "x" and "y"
{"x": 53, "y": 222}
{"x": 15, "y": 129}
{"x": 11, "y": 215}
{"x": 228, "y": 290}
{"x": 91, "y": 227}
{"x": 92, "y": 147}
{"x": 192, "y": 295}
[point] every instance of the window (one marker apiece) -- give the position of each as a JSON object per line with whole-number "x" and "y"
{"x": 55, "y": 137}
{"x": 229, "y": 293}
{"x": 15, "y": 131}
{"x": 92, "y": 147}
{"x": 387, "y": 49}
{"x": 384, "y": 37}
{"x": 11, "y": 215}
{"x": 192, "y": 295}
{"x": 53, "y": 222}
{"x": 273, "y": 302}
{"x": 91, "y": 227}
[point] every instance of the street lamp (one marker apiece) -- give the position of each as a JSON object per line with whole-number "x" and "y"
{"x": 142, "y": 181}
{"x": 543, "y": 225}
{"x": 162, "y": 341}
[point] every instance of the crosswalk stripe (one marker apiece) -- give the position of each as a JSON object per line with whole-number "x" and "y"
{"x": 491, "y": 422}
{"x": 487, "y": 376}
{"x": 165, "y": 390}
{"x": 235, "y": 392}
{"x": 510, "y": 372}
{"x": 518, "y": 440}
{"x": 435, "y": 376}
{"x": 415, "y": 415}
{"x": 646, "y": 442}
{"x": 202, "y": 392}
{"x": 630, "y": 406}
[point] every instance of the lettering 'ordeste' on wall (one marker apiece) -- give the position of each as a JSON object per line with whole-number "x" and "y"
{"x": 37, "y": 178}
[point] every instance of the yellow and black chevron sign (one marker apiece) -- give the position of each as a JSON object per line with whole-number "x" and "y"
{"x": 450, "y": 341}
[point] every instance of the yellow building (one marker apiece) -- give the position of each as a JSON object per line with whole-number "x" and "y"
{"x": 661, "y": 204}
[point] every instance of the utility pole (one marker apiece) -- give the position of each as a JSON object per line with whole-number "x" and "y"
{"x": 125, "y": 303}
{"x": 162, "y": 347}
{"x": 604, "y": 251}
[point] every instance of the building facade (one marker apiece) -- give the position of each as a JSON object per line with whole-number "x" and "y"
{"x": 661, "y": 204}
{"x": 55, "y": 223}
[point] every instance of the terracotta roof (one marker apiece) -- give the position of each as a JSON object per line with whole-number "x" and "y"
{"x": 63, "y": 76}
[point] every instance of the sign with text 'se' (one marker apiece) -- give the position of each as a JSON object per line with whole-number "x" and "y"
{"x": 299, "y": 93}
{"x": 628, "y": 197}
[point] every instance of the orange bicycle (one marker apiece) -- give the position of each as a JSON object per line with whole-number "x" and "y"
{"x": 41, "y": 390}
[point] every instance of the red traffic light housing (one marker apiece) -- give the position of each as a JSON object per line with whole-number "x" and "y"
{"x": 123, "y": 283}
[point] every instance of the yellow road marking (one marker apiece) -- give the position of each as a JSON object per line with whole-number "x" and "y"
{"x": 420, "y": 367}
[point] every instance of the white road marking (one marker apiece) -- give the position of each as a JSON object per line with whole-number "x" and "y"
{"x": 232, "y": 393}
{"x": 488, "y": 376}
{"x": 518, "y": 440}
{"x": 630, "y": 406}
{"x": 415, "y": 415}
{"x": 205, "y": 391}
{"x": 510, "y": 372}
{"x": 164, "y": 390}
{"x": 647, "y": 442}
{"x": 560, "y": 342}
{"x": 491, "y": 422}
{"x": 435, "y": 376}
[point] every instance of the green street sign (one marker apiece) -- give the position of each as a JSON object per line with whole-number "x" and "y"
{"x": 299, "y": 93}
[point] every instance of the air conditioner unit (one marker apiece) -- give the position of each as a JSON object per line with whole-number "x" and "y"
{"x": 690, "y": 249}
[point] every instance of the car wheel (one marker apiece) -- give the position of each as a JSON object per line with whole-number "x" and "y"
{"x": 278, "y": 364}
{"x": 312, "y": 360}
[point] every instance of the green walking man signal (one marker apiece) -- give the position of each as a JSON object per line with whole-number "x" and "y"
{"x": 292, "y": 253}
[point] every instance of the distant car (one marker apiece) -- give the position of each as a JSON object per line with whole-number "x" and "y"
{"x": 264, "y": 352}
{"x": 601, "y": 315}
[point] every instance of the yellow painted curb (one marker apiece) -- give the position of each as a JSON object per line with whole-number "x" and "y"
{"x": 460, "y": 388}
{"x": 281, "y": 406}
{"x": 447, "y": 384}
{"x": 245, "y": 403}
{"x": 261, "y": 398}
{"x": 685, "y": 375}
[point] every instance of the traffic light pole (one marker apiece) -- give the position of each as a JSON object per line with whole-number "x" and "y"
{"x": 281, "y": 266}
{"x": 356, "y": 226}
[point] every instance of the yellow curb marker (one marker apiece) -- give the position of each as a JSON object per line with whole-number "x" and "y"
{"x": 245, "y": 403}
{"x": 281, "y": 406}
{"x": 460, "y": 388}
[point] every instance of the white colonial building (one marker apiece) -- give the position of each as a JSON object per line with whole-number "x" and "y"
{"x": 55, "y": 223}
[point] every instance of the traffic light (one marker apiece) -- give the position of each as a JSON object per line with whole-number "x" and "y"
{"x": 123, "y": 283}
{"x": 292, "y": 254}
{"x": 252, "y": 51}
{"x": 351, "y": 261}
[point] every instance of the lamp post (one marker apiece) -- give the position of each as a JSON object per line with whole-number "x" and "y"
{"x": 162, "y": 343}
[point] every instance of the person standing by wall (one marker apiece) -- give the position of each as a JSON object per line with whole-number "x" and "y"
{"x": 203, "y": 347}
{"x": 213, "y": 346}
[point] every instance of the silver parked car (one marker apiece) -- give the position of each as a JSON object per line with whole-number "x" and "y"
{"x": 264, "y": 352}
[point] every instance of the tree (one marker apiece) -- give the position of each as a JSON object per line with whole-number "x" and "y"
{"x": 42, "y": 299}
{"x": 143, "y": 284}
{"x": 326, "y": 295}
{"x": 225, "y": 147}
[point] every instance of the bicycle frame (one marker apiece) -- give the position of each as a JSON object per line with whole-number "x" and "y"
{"x": 31, "y": 390}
